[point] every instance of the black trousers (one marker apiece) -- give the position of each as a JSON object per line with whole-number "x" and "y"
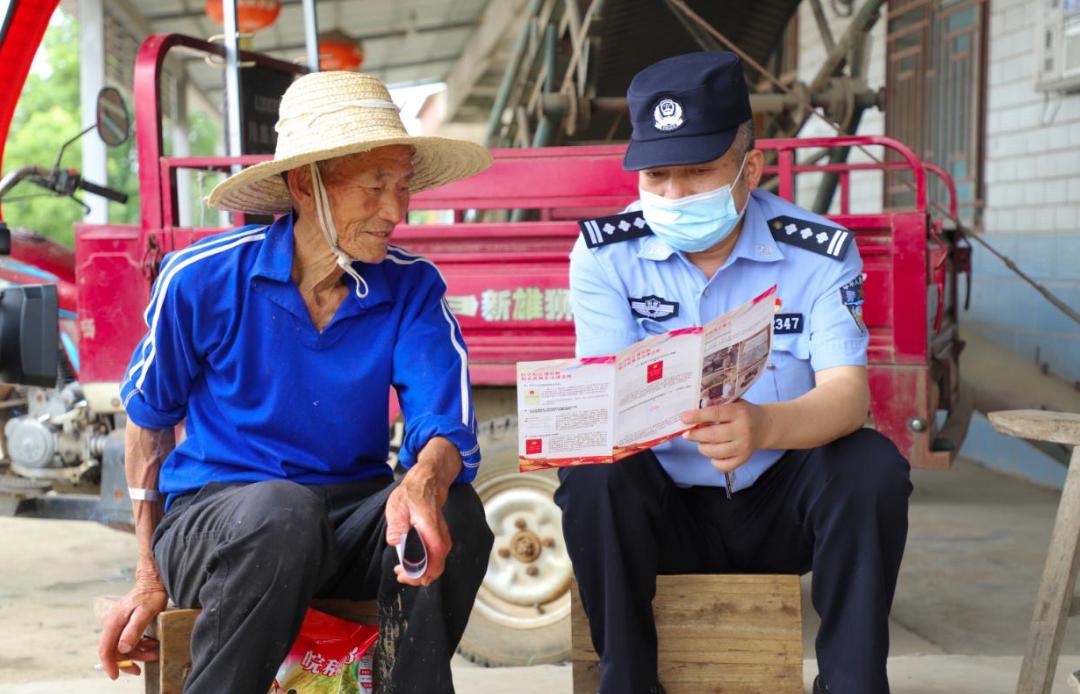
{"x": 839, "y": 510}
{"x": 253, "y": 556}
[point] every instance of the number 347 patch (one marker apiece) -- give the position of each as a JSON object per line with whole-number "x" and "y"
{"x": 787, "y": 324}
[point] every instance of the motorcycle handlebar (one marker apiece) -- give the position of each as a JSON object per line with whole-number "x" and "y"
{"x": 104, "y": 191}
{"x": 13, "y": 178}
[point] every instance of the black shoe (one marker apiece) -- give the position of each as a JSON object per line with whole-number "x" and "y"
{"x": 819, "y": 686}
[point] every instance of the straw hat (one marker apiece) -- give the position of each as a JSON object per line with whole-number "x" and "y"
{"x": 332, "y": 114}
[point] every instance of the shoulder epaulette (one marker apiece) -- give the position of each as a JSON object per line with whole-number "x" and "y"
{"x": 602, "y": 231}
{"x": 818, "y": 238}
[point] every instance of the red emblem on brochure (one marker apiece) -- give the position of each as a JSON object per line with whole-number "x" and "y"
{"x": 533, "y": 446}
{"x": 655, "y": 372}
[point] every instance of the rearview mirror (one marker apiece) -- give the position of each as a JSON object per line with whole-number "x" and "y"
{"x": 113, "y": 124}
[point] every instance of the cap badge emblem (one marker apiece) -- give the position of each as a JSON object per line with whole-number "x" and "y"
{"x": 668, "y": 115}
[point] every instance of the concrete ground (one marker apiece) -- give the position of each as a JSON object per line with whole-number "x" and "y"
{"x": 975, "y": 552}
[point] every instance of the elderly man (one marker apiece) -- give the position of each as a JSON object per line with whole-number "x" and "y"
{"x": 278, "y": 346}
{"x": 783, "y": 481}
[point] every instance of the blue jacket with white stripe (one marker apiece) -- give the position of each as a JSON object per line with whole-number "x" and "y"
{"x": 231, "y": 347}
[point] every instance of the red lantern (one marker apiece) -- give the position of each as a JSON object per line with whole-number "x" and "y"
{"x": 339, "y": 51}
{"x": 251, "y": 15}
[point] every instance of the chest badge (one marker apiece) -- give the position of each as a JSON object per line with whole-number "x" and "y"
{"x": 654, "y": 307}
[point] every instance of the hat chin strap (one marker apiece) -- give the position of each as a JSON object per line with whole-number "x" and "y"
{"x": 329, "y": 231}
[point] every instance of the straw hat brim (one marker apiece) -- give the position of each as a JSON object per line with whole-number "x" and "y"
{"x": 260, "y": 189}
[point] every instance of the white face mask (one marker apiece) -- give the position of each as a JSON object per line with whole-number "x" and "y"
{"x": 326, "y": 224}
{"x": 696, "y": 222}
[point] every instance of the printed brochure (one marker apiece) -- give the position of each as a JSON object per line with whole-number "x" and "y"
{"x": 603, "y": 409}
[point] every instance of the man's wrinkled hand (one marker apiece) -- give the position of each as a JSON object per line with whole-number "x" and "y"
{"x": 124, "y": 624}
{"x": 728, "y": 434}
{"x": 417, "y": 503}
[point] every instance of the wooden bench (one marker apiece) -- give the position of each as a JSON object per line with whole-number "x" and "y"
{"x": 173, "y": 632}
{"x": 1054, "y": 602}
{"x": 737, "y": 634}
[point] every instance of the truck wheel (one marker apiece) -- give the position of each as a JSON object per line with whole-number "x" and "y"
{"x": 522, "y": 612}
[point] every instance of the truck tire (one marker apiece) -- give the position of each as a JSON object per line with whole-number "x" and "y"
{"x": 522, "y": 611}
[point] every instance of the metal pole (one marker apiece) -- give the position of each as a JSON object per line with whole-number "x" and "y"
{"x": 232, "y": 79}
{"x": 827, "y": 189}
{"x": 823, "y": 25}
{"x": 91, "y": 80}
{"x": 545, "y": 128}
{"x": 549, "y": 57}
{"x": 311, "y": 35}
{"x": 182, "y": 148}
{"x": 507, "y": 84}
{"x": 857, "y": 30}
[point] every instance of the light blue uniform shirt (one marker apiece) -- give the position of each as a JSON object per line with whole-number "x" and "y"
{"x": 231, "y": 348}
{"x": 604, "y": 281}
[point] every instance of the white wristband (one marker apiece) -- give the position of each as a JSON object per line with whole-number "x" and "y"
{"x": 143, "y": 494}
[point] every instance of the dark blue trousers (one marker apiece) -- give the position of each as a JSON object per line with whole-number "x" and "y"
{"x": 839, "y": 510}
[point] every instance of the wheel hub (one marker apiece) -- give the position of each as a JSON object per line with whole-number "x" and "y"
{"x": 525, "y": 546}
{"x": 529, "y": 566}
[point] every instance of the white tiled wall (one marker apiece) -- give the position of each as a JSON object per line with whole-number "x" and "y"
{"x": 1032, "y": 188}
{"x": 1033, "y": 138}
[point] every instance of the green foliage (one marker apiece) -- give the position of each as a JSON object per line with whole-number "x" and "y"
{"x": 123, "y": 168}
{"x": 48, "y": 114}
{"x": 204, "y": 137}
{"x": 58, "y": 85}
{"x": 51, "y": 216}
{"x": 204, "y": 133}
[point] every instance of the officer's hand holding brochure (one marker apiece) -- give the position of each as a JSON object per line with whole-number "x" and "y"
{"x": 603, "y": 409}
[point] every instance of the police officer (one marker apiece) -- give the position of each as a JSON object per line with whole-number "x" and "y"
{"x": 784, "y": 480}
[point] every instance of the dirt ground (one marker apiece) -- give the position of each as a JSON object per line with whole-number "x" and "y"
{"x": 976, "y": 546}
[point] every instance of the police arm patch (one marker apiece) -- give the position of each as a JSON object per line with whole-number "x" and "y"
{"x": 832, "y": 242}
{"x": 654, "y": 307}
{"x": 851, "y": 294}
{"x": 602, "y": 231}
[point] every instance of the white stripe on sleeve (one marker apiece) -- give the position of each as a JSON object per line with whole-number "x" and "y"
{"x": 176, "y": 256}
{"x": 466, "y": 399}
{"x": 166, "y": 279}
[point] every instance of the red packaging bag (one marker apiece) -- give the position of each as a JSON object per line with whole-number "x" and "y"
{"x": 330, "y": 656}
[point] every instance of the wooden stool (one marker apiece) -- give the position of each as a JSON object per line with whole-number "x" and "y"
{"x": 173, "y": 632}
{"x": 737, "y": 634}
{"x": 1055, "y": 597}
